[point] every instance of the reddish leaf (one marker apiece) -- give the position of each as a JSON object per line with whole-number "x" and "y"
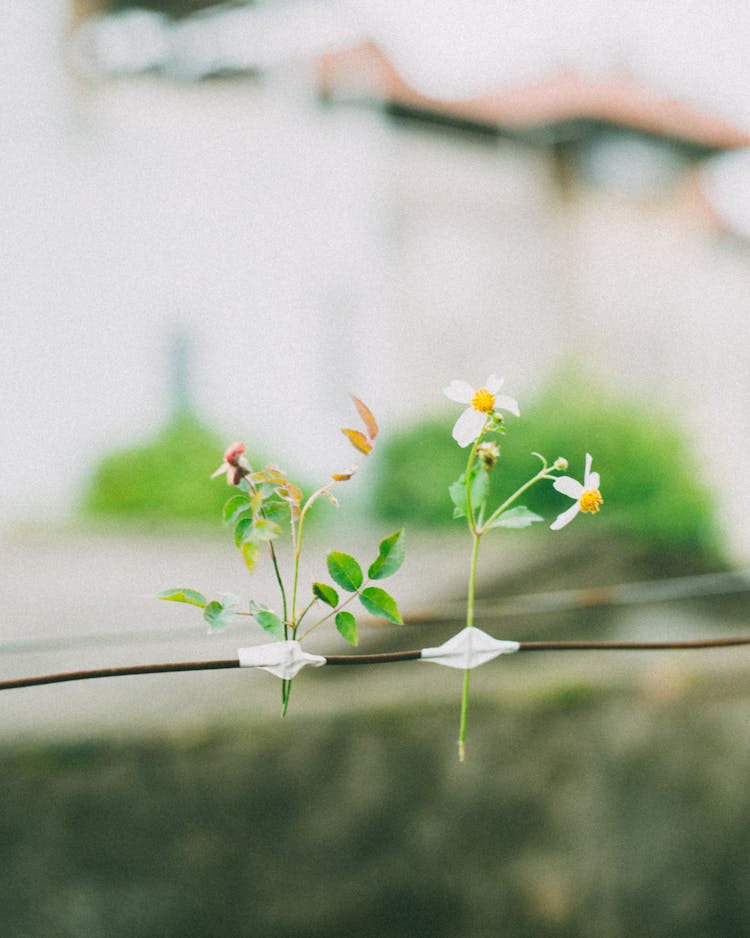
{"x": 367, "y": 418}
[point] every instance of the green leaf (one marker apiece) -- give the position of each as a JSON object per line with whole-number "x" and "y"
{"x": 270, "y": 622}
{"x": 217, "y": 616}
{"x": 380, "y": 603}
{"x": 236, "y": 506}
{"x": 519, "y": 517}
{"x": 480, "y": 486}
{"x": 390, "y": 558}
{"x": 347, "y": 626}
{"x": 276, "y": 510}
{"x": 250, "y": 553}
{"x": 242, "y": 531}
{"x": 345, "y": 571}
{"x": 478, "y": 491}
{"x": 229, "y": 601}
{"x": 457, "y": 492}
{"x": 265, "y": 530}
{"x": 192, "y": 597}
{"x": 269, "y": 474}
{"x": 326, "y": 593}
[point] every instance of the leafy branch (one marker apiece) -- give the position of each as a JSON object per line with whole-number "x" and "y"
{"x": 267, "y": 502}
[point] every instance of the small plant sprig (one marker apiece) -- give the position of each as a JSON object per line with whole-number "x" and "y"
{"x": 470, "y": 493}
{"x": 266, "y": 502}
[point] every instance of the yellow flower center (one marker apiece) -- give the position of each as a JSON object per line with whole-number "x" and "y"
{"x": 591, "y": 501}
{"x": 483, "y": 401}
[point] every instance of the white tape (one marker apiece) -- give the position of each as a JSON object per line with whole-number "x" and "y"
{"x": 470, "y": 648}
{"x": 284, "y": 659}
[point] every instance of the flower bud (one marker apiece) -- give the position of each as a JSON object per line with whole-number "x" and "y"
{"x": 232, "y": 453}
{"x": 488, "y": 455}
{"x": 561, "y": 464}
{"x": 235, "y": 465}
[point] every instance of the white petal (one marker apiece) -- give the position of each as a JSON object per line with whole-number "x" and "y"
{"x": 503, "y": 402}
{"x": 568, "y": 486}
{"x": 468, "y": 426}
{"x": 593, "y": 481}
{"x": 459, "y": 391}
{"x": 587, "y": 472}
{"x": 494, "y": 384}
{"x": 566, "y": 517}
{"x": 222, "y": 468}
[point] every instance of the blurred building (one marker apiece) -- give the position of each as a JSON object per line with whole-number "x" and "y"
{"x": 332, "y": 197}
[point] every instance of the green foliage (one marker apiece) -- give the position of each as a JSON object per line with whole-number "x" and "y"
{"x": 163, "y": 480}
{"x": 270, "y": 622}
{"x": 379, "y": 603}
{"x": 415, "y": 469}
{"x": 344, "y": 571}
{"x": 326, "y": 594}
{"x": 519, "y": 517}
{"x": 192, "y": 597}
{"x": 347, "y": 573}
{"x": 650, "y": 485}
{"x": 390, "y": 557}
{"x": 347, "y": 627}
{"x": 262, "y": 503}
{"x": 219, "y": 615}
{"x": 477, "y": 493}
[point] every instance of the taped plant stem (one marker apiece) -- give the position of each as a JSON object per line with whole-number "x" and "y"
{"x": 469, "y": 624}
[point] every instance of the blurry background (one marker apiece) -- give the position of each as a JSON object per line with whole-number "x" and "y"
{"x": 218, "y": 220}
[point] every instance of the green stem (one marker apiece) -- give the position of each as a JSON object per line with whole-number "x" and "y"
{"x": 472, "y": 581}
{"x": 476, "y": 534}
{"x": 467, "y": 671}
{"x": 298, "y": 547}
{"x": 304, "y": 612}
{"x": 250, "y": 488}
{"x": 469, "y": 510}
{"x": 286, "y": 693}
{"x": 464, "y": 712}
{"x": 280, "y": 582}
{"x": 338, "y": 608}
{"x": 542, "y": 474}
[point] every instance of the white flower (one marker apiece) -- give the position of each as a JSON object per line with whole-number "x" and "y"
{"x": 587, "y": 496}
{"x": 482, "y": 402}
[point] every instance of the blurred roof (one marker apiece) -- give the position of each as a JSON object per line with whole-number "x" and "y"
{"x": 565, "y": 95}
{"x": 675, "y": 72}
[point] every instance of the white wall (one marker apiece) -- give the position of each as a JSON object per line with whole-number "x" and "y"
{"x": 313, "y": 252}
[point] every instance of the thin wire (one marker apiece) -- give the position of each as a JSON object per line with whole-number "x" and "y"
{"x": 119, "y": 672}
{"x": 378, "y": 658}
{"x": 624, "y": 594}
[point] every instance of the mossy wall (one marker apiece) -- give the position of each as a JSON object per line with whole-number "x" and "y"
{"x": 581, "y": 813}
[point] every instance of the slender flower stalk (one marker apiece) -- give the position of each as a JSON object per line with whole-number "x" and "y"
{"x": 469, "y": 623}
{"x": 470, "y": 493}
